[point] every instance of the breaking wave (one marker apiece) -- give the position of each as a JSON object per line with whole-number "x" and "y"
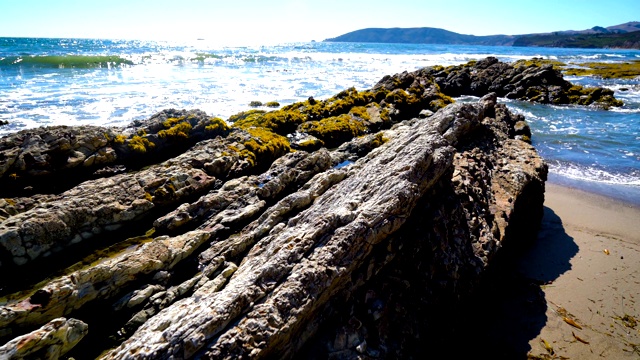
{"x": 66, "y": 61}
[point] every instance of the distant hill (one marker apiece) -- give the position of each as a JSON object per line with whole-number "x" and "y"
{"x": 425, "y": 35}
{"x": 625, "y": 35}
{"x": 616, "y": 29}
{"x": 630, "y": 40}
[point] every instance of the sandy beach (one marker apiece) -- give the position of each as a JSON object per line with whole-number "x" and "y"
{"x": 588, "y": 260}
{"x": 573, "y": 294}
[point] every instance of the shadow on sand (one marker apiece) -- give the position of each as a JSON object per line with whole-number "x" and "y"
{"x": 509, "y": 308}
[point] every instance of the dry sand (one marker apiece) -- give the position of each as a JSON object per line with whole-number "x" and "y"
{"x": 592, "y": 279}
{"x": 583, "y": 269}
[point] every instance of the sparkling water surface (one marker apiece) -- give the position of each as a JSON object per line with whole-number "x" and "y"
{"x": 111, "y": 82}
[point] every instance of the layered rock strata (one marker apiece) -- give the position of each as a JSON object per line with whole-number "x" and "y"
{"x": 51, "y": 341}
{"x": 247, "y": 248}
{"x": 52, "y": 159}
{"x": 261, "y": 284}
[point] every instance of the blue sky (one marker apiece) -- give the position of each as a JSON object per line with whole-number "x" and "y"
{"x": 275, "y": 21}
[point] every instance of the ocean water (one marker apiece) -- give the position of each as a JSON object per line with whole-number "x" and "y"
{"x": 111, "y": 82}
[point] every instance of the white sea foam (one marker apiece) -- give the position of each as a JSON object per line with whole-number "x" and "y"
{"x": 592, "y": 174}
{"x": 625, "y": 110}
{"x": 600, "y": 56}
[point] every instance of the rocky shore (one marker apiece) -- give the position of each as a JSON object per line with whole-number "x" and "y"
{"x": 328, "y": 228}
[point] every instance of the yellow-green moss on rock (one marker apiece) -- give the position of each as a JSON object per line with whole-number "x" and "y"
{"x": 216, "y": 124}
{"x": 335, "y": 130}
{"x": 337, "y": 119}
{"x": 140, "y": 144}
{"x": 265, "y": 145}
{"x": 378, "y": 140}
{"x": 281, "y": 121}
{"x": 176, "y": 128}
{"x": 360, "y": 112}
{"x": 626, "y": 70}
{"x": 266, "y": 142}
{"x": 416, "y": 98}
{"x": 339, "y": 104}
{"x": 180, "y": 130}
{"x": 119, "y": 139}
{"x": 557, "y": 65}
{"x": 587, "y": 95}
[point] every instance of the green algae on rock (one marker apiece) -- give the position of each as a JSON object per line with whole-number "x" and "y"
{"x": 535, "y": 80}
{"x": 175, "y": 127}
{"x": 139, "y": 143}
{"x": 604, "y": 70}
{"x": 581, "y": 95}
{"x": 342, "y": 117}
{"x": 265, "y": 146}
{"x": 216, "y": 124}
{"x": 557, "y": 65}
{"x": 613, "y": 70}
{"x": 334, "y": 130}
{"x": 311, "y": 143}
{"x": 266, "y": 142}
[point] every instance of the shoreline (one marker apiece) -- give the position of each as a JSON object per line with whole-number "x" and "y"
{"x": 599, "y": 288}
{"x": 626, "y": 195}
{"x": 573, "y": 293}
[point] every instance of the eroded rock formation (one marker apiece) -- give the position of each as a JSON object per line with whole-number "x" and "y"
{"x": 239, "y": 246}
{"x": 51, "y": 341}
{"x": 520, "y": 80}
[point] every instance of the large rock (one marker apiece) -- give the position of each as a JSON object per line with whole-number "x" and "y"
{"x": 262, "y": 251}
{"x": 96, "y": 206}
{"x": 52, "y": 159}
{"x": 276, "y": 297}
{"x": 532, "y": 82}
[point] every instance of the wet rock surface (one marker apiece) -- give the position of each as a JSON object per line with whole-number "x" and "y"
{"x": 240, "y": 247}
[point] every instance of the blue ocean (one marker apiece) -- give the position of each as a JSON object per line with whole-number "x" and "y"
{"x": 112, "y": 82}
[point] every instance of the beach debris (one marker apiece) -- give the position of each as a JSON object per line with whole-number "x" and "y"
{"x": 572, "y": 322}
{"x": 567, "y": 317}
{"x": 546, "y": 357}
{"x": 540, "y": 357}
{"x": 579, "y": 338}
{"x": 628, "y": 321}
{"x": 606, "y": 251}
{"x": 547, "y": 346}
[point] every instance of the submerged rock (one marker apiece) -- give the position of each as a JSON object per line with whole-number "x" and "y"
{"x": 260, "y": 251}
